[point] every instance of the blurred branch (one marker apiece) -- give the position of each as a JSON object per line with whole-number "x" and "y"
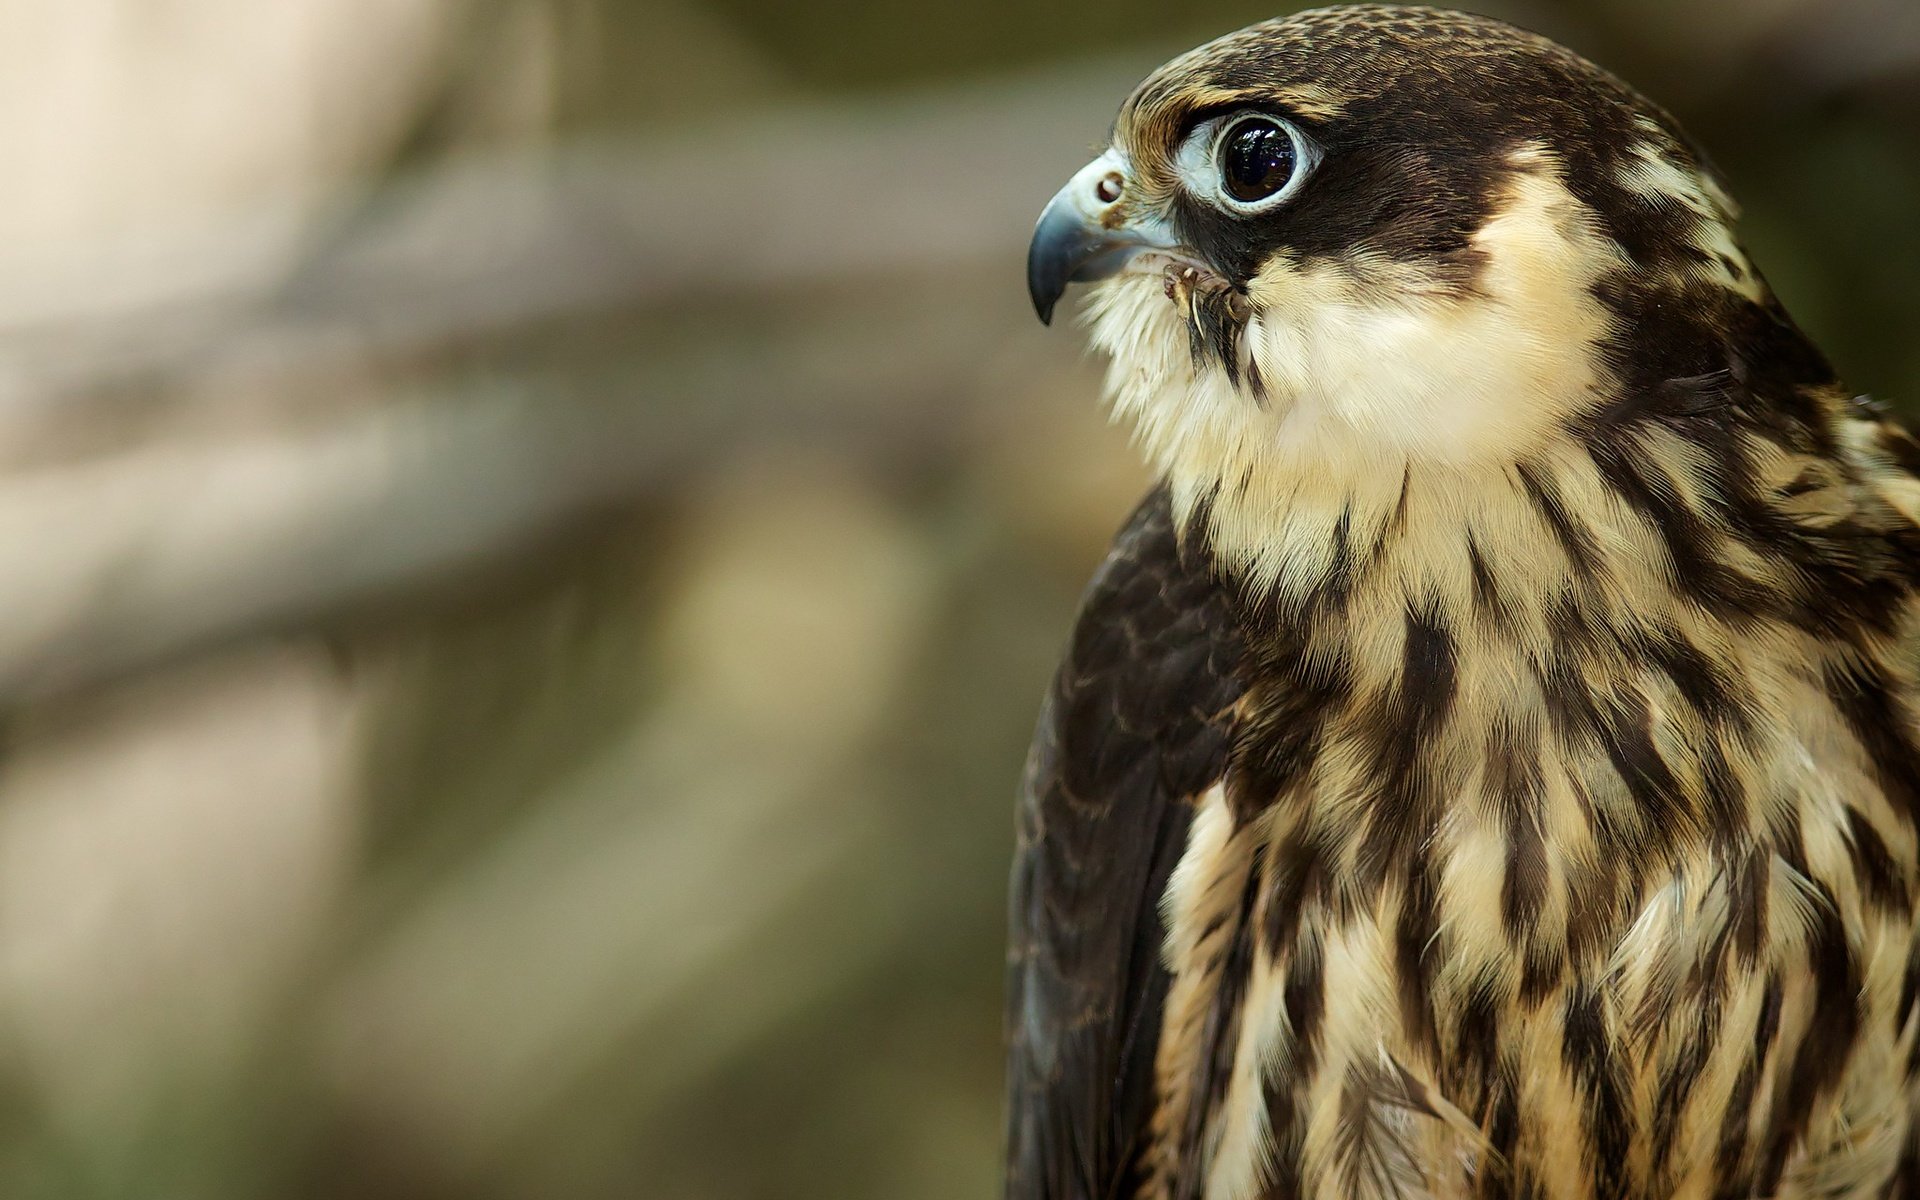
{"x": 771, "y": 201}
{"x": 124, "y": 560}
{"x": 127, "y": 558}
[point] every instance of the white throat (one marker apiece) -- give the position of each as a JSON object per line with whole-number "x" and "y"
{"x": 1373, "y": 373}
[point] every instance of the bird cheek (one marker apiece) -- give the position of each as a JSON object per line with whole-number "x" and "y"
{"x": 1278, "y": 283}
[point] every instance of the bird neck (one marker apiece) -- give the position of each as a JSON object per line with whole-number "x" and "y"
{"x": 1748, "y": 539}
{"x": 1675, "y": 454}
{"x": 1334, "y": 541}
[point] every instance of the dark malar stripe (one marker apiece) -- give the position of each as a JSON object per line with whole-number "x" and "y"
{"x": 1214, "y": 331}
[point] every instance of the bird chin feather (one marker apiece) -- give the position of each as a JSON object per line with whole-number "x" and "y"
{"x": 1182, "y": 405}
{"x": 1347, "y": 374}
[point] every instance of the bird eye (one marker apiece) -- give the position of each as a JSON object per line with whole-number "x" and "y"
{"x": 1246, "y": 162}
{"x": 1258, "y": 158}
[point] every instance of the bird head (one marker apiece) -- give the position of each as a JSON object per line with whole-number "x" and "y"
{"x": 1361, "y": 238}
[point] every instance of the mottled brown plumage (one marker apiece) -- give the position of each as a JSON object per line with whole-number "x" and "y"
{"x": 1489, "y": 764}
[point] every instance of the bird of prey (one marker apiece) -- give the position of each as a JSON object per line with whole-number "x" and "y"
{"x": 1487, "y": 763}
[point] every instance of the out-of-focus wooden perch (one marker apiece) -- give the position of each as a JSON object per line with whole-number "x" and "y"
{"x": 223, "y": 520}
{"x": 776, "y": 200}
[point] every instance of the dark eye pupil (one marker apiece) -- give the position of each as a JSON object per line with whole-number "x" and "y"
{"x": 1257, "y": 160}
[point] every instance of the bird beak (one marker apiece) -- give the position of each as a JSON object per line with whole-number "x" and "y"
{"x": 1088, "y": 232}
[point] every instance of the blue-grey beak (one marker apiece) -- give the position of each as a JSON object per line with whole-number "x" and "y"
{"x": 1084, "y": 235}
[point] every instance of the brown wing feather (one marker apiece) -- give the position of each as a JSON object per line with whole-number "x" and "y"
{"x": 1135, "y": 726}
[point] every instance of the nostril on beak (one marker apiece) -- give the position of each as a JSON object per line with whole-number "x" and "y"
{"x": 1110, "y": 186}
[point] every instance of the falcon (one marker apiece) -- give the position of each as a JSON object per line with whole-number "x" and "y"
{"x": 1486, "y": 764}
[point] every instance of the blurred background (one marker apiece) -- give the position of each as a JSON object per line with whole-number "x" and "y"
{"x": 533, "y": 535}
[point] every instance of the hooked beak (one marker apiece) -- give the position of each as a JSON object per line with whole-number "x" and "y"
{"x": 1085, "y": 234}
